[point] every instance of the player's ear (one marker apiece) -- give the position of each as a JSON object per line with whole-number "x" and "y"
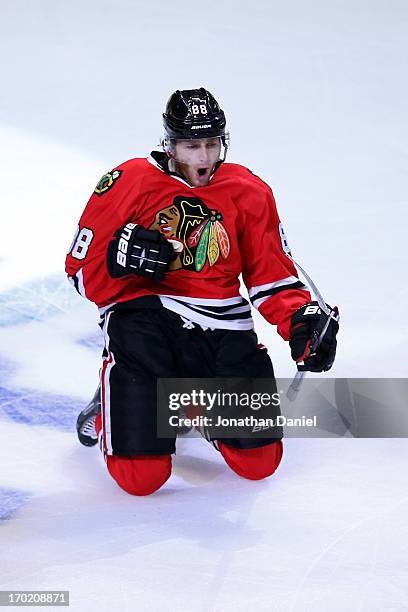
{"x": 167, "y": 146}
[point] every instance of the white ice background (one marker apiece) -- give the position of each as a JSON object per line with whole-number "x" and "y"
{"x": 316, "y": 100}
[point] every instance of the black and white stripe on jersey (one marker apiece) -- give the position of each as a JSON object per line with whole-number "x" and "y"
{"x": 231, "y": 313}
{"x": 260, "y": 293}
{"x": 78, "y": 282}
{"x": 223, "y": 313}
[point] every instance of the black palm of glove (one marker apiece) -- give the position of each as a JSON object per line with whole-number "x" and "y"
{"x": 308, "y": 345}
{"x": 136, "y": 250}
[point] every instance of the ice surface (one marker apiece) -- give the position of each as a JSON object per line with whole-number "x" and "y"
{"x": 315, "y": 94}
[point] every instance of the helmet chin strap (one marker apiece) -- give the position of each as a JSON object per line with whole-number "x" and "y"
{"x": 172, "y": 164}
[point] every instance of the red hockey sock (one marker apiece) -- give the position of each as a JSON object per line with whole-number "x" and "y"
{"x": 138, "y": 475}
{"x": 253, "y": 463}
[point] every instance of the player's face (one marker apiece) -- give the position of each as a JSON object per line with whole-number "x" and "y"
{"x": 195, "y": 159}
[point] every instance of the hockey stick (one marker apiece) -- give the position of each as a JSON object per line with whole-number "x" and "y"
{"x": 331, "y": 314}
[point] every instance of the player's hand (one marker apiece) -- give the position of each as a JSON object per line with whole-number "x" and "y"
{"x": 136, "y": 250}
{"x": 313, "y": 337}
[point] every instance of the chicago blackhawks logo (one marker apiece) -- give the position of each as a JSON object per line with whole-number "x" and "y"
{"x": 107, "y": 182}
{"x": 196, "y": 232}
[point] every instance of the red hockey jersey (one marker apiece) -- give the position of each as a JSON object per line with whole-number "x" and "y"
{"x": 230, "y": 226}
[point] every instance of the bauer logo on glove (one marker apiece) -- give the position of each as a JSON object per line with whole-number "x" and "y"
{"x": 313, "y": 337}
{"x": 136, "y": 250}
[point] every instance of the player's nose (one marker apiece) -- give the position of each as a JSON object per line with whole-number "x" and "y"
{"x": 204, "y": 155}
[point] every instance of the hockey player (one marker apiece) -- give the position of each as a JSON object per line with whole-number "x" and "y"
{"x": 159, "y": 249}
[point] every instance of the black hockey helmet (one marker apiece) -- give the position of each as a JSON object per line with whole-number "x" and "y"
{"x": 193, "y": 113}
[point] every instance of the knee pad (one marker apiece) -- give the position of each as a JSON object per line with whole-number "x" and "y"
{"x": 253, "y": 463}
{"x": 139, "y": 475}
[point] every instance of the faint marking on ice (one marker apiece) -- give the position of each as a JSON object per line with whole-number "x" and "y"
{"x": 93, "y": 341}
{"x": 36, "y": 407}
{"x": 329, "y": 547}
{"x": 53, "y": 303}
{"x": 10, "y": 501}
{"x": 37, "y": 300}
{"x": 39, "y": 408}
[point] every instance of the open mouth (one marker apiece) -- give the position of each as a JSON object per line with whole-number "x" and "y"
{"x": 202, "y": 171}
{"x": 164, "y": 227}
